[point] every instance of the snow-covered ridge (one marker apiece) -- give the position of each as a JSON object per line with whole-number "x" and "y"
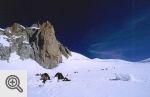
{"x": 22, "y": 26}
{"x": 35, "y": 28}
{"x": 113, "y": 60}
{"x": 2, "y": 29}
{"x": 146, "y": 60}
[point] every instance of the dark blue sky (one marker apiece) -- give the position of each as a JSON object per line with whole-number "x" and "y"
{"x": 96, "y": 28}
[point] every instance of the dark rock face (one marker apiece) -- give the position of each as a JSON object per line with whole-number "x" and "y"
{"x": 37, "y": 42}
{"x": 25, "y": 51}
{"x": 45, "y": 46}
{"x": 64, "y": 50}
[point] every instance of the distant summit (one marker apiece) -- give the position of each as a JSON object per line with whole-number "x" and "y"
{"x": 146, "y": 60}
{"x": 37, "y": 42}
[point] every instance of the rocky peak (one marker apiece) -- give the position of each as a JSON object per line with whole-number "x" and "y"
{"x": 16, "y": 27}
{"x": 47, "y": 27}
{"x": 38, "y": 43}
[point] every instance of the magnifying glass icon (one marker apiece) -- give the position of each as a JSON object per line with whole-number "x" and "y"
{"x": 13, "y": 82}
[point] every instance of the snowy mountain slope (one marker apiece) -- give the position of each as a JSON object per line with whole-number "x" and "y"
{"x": 89, "y": 77}
{"x": 146, "y": 60}
{"x": 3, "y": 40}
